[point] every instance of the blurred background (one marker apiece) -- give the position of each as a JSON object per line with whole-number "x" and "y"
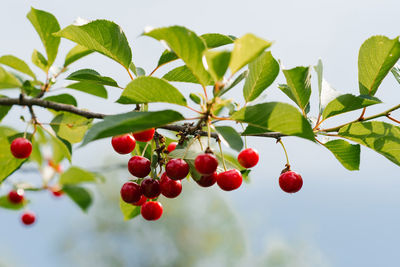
{"x": 339, "y": 218}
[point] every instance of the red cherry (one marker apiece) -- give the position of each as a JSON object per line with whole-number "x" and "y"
{"x": 21, "y": 148}
{"x": 144, "y": 136}
{"x": 142, "y": 200}
{"x": 171, "y": 147}
{"x": 151, "y": 188}
{"x": 16, "y": 197}
{"x": 57, "y": 193}
{"x": 177, "y": 169}
{"x": 170, "y": 188}
{"x": 229, "y": 180}
{"x": 131, "y": 192}
{"x": 207, "y": 180}
{"x": 123, "y": 144}
{"x": 290, "y": 182}
{"x": 139, "y": 166}
{"x": 151, "y": 210}
{"x": 206, "y": 163}
{"x": 248, "y": 158}
{"x": 28, "y": 218}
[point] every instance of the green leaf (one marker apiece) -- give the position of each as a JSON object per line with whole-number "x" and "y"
{"x": 214, "y": 40}
{"x": 396, "y": 73}
{"x": 146, "y": 89}
{"x": 246, "y": 49}
{"x": 377, "y": 56}
{"x": 61, "y": 149}
{"x": 187, "y": 45}
{"x": 380, "y": 136}
{"x": 195, "y": 98}
{"x": 88, "y": 75}
{"x": 231, "y": 137}
{"x": 75, "y": 175}
{"x": 6, "y": 204}
{"x": 130, "y": 122}
{"x": 348, "y": 102}
{"x": 347, "y": 154}
{"x": 232, "y": 83}
{"x": 166, "y": 57}
{"x": 102, "y": 36}
{"x": 39, "y": 60}
{"x": 298, "y": 85}
{"x": 62, "y": 98}
{"x": 45, "y": 25}
{"x": 90, "y": 88}
{"x": 70, "y": 127}
{"x": 217, "y": 62}
{"x": 77, "y": 52}
{"x": 7, "y": 80}
{"x": 181, "y": 74}
{"x": 276, "y": 117}
{"x": 128, "y": 210}
{"x": 81, "y": 196}
{"x": 17, "y": 64}
{"x": 262, "y": 73}
{"x": 4, "y": 110}
{"x": 8, "y": 164}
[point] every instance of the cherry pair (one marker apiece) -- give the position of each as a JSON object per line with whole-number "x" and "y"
{"x": 125, "y": 144}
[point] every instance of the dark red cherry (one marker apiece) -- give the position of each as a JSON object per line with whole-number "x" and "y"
{"x": 177, "y": 169}
{"x": 139, "y": 166}
{"x": 171, "y": 147}
{"x": 123, "y": 144}
{"x": 207, "y": 180}
{"x": 151, "y": 210}
{"x": 229, "y": 180}
{"x": 150, "y": 188}
{"x": 206, "y": 163}
{"x": 131, "y": 192}
{"x": 28, "y": 218}
{"x": 21, "y": 148}
{"x": 290, "y": 182}
{"x": 248, "y": 158}
{"x": 57, "y": 192}
{"x": 170, "y": 188}
{"x": 144, "y": 136}
{"x": 142, "y": 200}
{"x": 16, "y": 197}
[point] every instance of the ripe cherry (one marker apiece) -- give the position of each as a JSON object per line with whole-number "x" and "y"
{"x": 139, "y": 166}
{"x": 151, "y": 188}
{"x": 144, "y": 136}
{"x": 16, "y": 197}
{"x": 21, "y": 148}
{"x": 177, "y": 169}
{"x": 229, "y": 180}
{"x": 290, "y": 182}
{"x": 57, "y": 192}
{"x": 206, "y": 163}
{"x": 123, "y": 144}
{"x": 248, "y": 158}
{"x": 151, "y": 210}
{"x": 170, "y": 188}
{"x": 207, "y": 180}
{"x": 131, "y": 192}
{"x": 142, "y": 200}
{"x": 28, "y": 218}
{"x": 171, "y": 147}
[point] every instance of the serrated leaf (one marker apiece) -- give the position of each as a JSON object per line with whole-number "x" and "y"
{"x": 232, "y": 83}
{"x": 77, "y": 52}
{"x": 298, "y": 85}
{"x": 81, "y": 196}
{"x": 88, "y": 75}
{"x": 70, "y": 127}
{"x": 17, "y": 64}
{"x": 7, "y": 80}
{"x": 262, "y": 73}
{"x": 376, "y": 57}
{"x": 246, "y": 49}
{"x": 231, "y": 137}
{"x": 130, "y": 122}
{"x": 347, "y": 154}
{"x": 6, "y": 204}
{"x": 348, "y": 102}
{"x": 102, "y": 36}
{"x": 62, "y": 98}
{"x": 217, "y": 62}
{"x": 380, "y": 136}
{"x": 39, "y": 60}
{"x": 90, "y": 88}
{"x": 148, "y": 89}
{"x": 75, "y": 175}
{"x": 128, "y": 210}
{"x": 45, "y": 25}
{"x": 180, "y": 74}
{"x": 214, "y": 40}
{"x": 276, "y": 117}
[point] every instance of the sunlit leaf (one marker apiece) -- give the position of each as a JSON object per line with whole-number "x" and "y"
{"x": 347, "y": 154}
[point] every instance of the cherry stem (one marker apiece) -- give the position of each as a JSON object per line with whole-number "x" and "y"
{"x": 130, "y": 75}
{"x": 201, "y": 145}
{"x": 208, "y": 132}
{"x": 192, "y": 109}
{"x": 286, "y": 154}
{"x": 222, "y": 154}
{"x": 205, "y": 92}
{"x": 245, "y": 139}
{"x": 145, "y": 148}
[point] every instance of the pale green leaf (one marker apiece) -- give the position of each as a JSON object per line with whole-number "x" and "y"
{"x": 39, "y": 60}
{"x": 231, "y": 137}
{"x": 7, "y": 80}
{"x": 62, "y": 98}
{"x": 77, "y": 52}
{"x": 75, "y": 175}
{"x": 17, "y": 64}
{"x": 81, "y": 196}
{"x": 214, "y": 40}
{"x": 180, "y": 74}
{"x": 90, "y": 88}
{"x": 128, "y": 210}
{"x": 89, "y": 75}
{"x": 232, "y": 83}
{"x": 217, "y": 62}
{"x": 70, "y": 127}
{"x": 347, "y": 154}
{"x": 298, "y": 85}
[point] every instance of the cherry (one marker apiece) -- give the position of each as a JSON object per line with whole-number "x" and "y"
{"x": 139, "y": 166}
{"x": 131, "y": 192}
{"x": 171, "y": 147}
{"x": 248, "y": 158}
{"x": 290, "y": 182}
{"x": 28, "y": 218}
{"x": 57, "y": 192}
{"x": 142, "y": 200}
{"x": 151, "y": 188}
{"x": 170, "y": 188}
{"x": 206, "y": 163}
{"x": 21, "y": 148}
{"x": 151, "y": 210}
{"x": 207, "y": 180}
{"x": 229, "y": 180}
{"x": 16, "y": 197}
{"x": 123, "y": 144}
{"x": 177, "y": 169}
{"x": 144, "y": 136}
